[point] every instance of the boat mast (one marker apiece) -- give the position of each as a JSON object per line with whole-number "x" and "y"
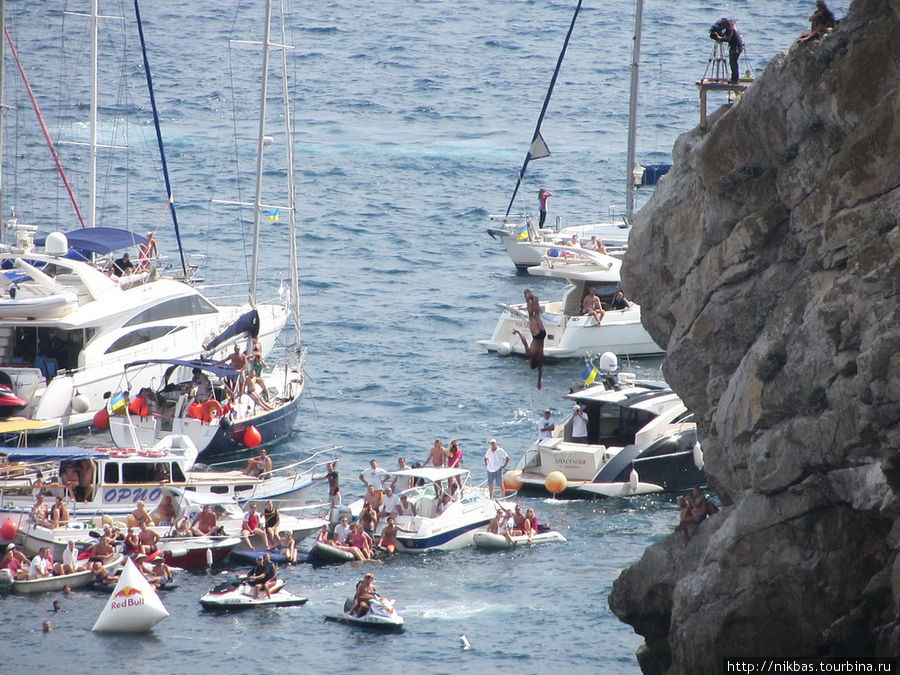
{"x": 2, "y": 108}
{"x": 92, "y": 204}
{"x": 632, "y": 110}
{"x": 260, "y": 145}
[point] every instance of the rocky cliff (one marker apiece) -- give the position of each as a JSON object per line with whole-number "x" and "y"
{"x": 767, "y": 263}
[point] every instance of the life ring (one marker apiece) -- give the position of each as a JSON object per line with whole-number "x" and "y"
{"x": 211, "y": 409}
{"x": 152, "y": 453}
{"x": 121, "y": 452}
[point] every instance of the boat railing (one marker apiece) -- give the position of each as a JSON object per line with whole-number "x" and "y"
{"x": 320, "y": 458}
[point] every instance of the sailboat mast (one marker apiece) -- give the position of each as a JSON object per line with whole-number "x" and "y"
{"x": 289, "y": 160}
{"x": 260, "y": 144}
{"x": 2, "y": 70}
{"x": 92, "y": 205}
{"x": 632, "y": 110}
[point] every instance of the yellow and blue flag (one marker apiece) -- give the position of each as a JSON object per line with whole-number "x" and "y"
{"x": 272, "y": 216}
{"x": 119, "y": 403}
{"x": 591, "y": 376}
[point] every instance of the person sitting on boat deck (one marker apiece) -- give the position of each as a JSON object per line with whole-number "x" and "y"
{"x": 368, "y": 520}
{"x": 455, "y": 491}
{"x": 361, "y": 540}
{"x": 259, "y": 465}
{"x": 579, "y": 425}
{"x": 69, "y": 477}
{"x": 495, "y": 460}
{"x": 157, "y": 572}
{"x": 272, "y": 520}
{"x": 535, "y": 351}
{"x": 202, "y": 386}
{"x": 101, "y": 574}
{"x": 289, "y": 547}
{"x": 517, "y": 521}
{"x": 123, "y": 265}
{"x": 591, "y": 305}
{"x": 390, "y": 502}
{"x": 148, "y": 539}
{"x": 595, "y": 245}
{"x": 132, "y": 545}
{"x": 342, "y": 530}
{"x": 42, "y": 565}
{"x": 388, "y": 539}
{"x": 206, "y": 523}
{"x": 374, "y": 476}
{"x": 498, "y": 522}
{"x": 334, "y": 486}
{"x": 183, "y": 527}
{"x": 446, "y": 501}
{"x": 140, "y": 515}
{"x": 164, "y": 513}
{"x": 437, "y": 455}
{"x": 39, "y": 515}
{"x": 16, "y": 562}
{"x": 365, "y": 592}
{"x": 573, "y": 241}
{"x": 85, "y": 490}
{"x": 530, "y": 525}
{"x": 821, "y": 21}
{"x": 101, "y": 551}
{"x": 252, "y": 387}
{"x": 619, "y": 301}
{"x": 70, "y": 561}
{"x": 251, "y": 526}
{"x": 262, "y": 576}
{"x": 59, "y": 515}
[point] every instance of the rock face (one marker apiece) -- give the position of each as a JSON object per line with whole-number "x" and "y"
{"x": 767, "y": 263}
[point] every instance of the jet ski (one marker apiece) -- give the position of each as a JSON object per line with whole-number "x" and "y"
{"x": 239, "y": 595}
{"x": 381, "y": 615}
{"x": 10, "y": 404}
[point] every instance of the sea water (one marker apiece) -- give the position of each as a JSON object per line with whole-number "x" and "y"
{"x": 411, "y": 122}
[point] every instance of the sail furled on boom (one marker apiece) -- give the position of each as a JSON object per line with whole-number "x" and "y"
{"x": 538, "y": 148}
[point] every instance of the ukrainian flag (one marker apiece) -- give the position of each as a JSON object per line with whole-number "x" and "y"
{"x": 272, "y": 216}
{"x": 591, "y": 376}
{"x": 523, "y": 235}
{"x": 119, "y": 403}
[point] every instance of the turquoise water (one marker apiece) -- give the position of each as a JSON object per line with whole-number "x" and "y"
{"x": 412, "y": 119}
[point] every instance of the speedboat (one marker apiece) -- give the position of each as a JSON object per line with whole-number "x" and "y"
{"x": 239, "y": 595}
{"x": 381, "y": 615}
{"x": 571, "y": 332}
{"x": 449, "y": 529}
{"x": 497, "y": 542}
{"x": 641, "y": 440}
{"x": 192, "y": 553}
{"x": 69, "y": 327}
{"x": 55, "y": 583}
{"x": 218, "y": 426}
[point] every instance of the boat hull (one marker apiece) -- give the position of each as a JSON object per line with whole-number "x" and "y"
{"x": 489, "y": 541}
{"x": 194, "y": 553}
{"x": 76, "y": 580}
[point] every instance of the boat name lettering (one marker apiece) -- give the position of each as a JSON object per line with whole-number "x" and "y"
{"x": 569, "y": 461}
{"x": 133, "y": 495}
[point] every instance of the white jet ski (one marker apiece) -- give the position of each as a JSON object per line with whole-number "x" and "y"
{"x": 239, "y": 595}
{"x": 381, "y": 615}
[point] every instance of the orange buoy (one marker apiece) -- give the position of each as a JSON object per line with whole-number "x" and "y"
{"x": 195, "y": 410}
{"x": 556, "y": 482}
{"x": 512, "y": 480}
{"x": 252, "y": 437}
{"x": 8, "y": 529}
{"x": 101, "y": 419}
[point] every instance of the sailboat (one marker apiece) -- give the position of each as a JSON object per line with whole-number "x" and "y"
{"x": 238, "y": 414}
{"x": 520, "y": 236}
{"x": 71, "y": 317}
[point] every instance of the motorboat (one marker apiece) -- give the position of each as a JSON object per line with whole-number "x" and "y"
{"x": 193, "y": 553}
{"x": 217, "y": 426}
{"x": 570, "y": 331}
{"x": 77, "y": 579}
{"x": 641, "y": 440}
{"x": 322, "y": 553}
{"x": 239, "y": 595}
{"x": 67, "y": 327}
{"x": 489, "y": 541}
{"x": 447, "y": 529}
{"x": 381, "y": 615}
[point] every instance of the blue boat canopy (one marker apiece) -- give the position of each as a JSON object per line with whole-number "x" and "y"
{"x": 214, "y": 367}
{"x": 53, "y": 454}
{"x": 101, "y": 240}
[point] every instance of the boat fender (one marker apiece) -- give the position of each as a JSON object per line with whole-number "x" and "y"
{"x": 504, "y": 349}
{"x": 209, "y": 557}
{"x": 81, "y": 403}
{"x": 633, "y": 479}
{"x": 698, "y": 456}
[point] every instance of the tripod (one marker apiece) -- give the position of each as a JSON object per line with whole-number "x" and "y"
{"x": 718, "y": 68}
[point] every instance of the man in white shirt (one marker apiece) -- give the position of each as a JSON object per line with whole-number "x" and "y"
{"x": 342, "y": 530}
{"x": 545, "y": 426}
{"x": 495, "y": 459}
{"x": 375, "y": 476}
{"x": 70, "y": 558}
{"x": 579, "y": 425}
{"x": 390, "y": 503}
{"x": 41, "y": 565}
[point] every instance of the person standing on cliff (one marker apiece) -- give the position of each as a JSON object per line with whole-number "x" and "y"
{"x": 543, "y": 195}
{"x": 725, "y": 30}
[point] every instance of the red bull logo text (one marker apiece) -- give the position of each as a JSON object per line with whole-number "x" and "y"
{"x": 130, "y": 597}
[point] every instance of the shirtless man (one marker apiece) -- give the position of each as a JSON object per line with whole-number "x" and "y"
{"x": 69, "y": 477}
{"x": 101, "y": 574}
{"x": 86, "y": 486}
{"x": 165, "y": 513}
{"x": 259, "y": 465}
{"x": 237, "y": 360}
{"x": 437, "y": 455}
{"x": 591, "y": 305}
{"x": 148, "y": 539}
{"x": 535, "y": 351}
{"x": 388, "y": 540}
{"x": 365, "y": 591}
{"x": 140, "y": 515}
{"x": 158, "y": 574}
{"x": 205, "y": 522}
{"x": 39, "y": 513}
{"x": 101, "y": 551}
{"x": 59, "y": 516}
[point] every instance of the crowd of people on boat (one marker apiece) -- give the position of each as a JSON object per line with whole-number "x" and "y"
{"x": 514, "y": 523}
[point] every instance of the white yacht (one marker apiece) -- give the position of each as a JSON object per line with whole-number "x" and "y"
{"x": 67, "y": 328}
{"x": 571, "y": 332}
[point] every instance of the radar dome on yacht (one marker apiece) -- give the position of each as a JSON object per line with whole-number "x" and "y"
{"x": 56, "y": 244}
{"x": 608, "y": 362}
